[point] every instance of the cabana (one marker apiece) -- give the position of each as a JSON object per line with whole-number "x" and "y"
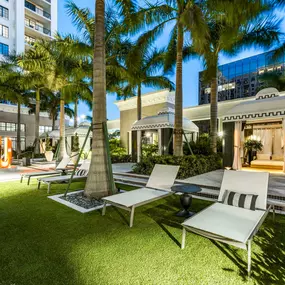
{"x": 261, "y": 119}
{"x": 159, "y": 130}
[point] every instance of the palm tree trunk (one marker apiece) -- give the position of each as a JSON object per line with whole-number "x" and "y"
{"x": 75, "y": 113}
{"x": 62, "y": 152}
{"x": 178, "y": 128}
{"x": 139, "y": 103}
{"x": 37, "y": 122}
{"x": 19, "y": 129}
{"x": 214, "y": 114}
{"x": 53, "y": 121}
{"x": 98, "y": 184}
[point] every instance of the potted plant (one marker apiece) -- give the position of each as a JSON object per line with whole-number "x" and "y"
{"x": 48, "y": 150}
{"x": 251, "y": 147}
{"x": 75, "y": 149}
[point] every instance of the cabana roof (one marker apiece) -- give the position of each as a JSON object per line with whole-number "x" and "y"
{"x": 81, "y": 130}
{"x": 164, "y": 119}
{"x": 268, "y": 105}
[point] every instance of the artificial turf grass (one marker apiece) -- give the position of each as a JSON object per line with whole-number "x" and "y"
{"x": 44, "y": 242}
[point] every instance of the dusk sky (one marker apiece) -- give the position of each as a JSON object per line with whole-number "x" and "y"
{"x": 190, "y": 69}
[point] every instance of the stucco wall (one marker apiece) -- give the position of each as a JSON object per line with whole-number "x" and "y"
{"x": 128, "y": 117}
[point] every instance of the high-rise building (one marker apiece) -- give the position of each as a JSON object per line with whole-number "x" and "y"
{"x": 22, "y": 22}
{"x": 241, "y": 79}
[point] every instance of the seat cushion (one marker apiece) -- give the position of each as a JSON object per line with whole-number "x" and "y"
{"x": 227, "y": 221}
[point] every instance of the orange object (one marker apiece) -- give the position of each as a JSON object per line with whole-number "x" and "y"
{"x": 7, "y": 160}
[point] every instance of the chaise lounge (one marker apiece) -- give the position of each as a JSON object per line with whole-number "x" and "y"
{"x": 158, "y": 187}
{"x": 238, "y": 214}
{"x": 59, "y": 170}
{"x": 81, "y": 173}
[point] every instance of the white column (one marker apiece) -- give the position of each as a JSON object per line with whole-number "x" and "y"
{"x": 159, "y": 142}
{"x": 139, "y": 145}
{"x": 220, "y": 125}
{"x": 283, "y": 123}
{"x": 237, "y": 145}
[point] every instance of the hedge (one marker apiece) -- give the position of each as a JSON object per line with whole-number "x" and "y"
{"x": 190, "y": 165}
{"x": 121, "y": 158}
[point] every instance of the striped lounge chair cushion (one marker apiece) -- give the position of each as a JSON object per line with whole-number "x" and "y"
{"x": 81, "y": 172}
{"x": 246, "y": 201}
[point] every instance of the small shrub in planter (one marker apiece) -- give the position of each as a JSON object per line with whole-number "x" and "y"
{"x": 190, "y": 165}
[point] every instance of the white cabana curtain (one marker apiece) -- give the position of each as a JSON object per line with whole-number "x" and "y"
{"x": 265, "y": 136}
{"x": 237, "y": 146}
{"x": 277, "y": 141}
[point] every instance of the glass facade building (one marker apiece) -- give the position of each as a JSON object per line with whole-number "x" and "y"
{"x": 240, "y": 79}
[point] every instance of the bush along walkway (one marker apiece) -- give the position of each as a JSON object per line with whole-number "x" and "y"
{"x": 190, "y": 165}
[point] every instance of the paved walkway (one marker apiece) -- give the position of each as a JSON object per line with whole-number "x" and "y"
{"x": 15, "y": 174}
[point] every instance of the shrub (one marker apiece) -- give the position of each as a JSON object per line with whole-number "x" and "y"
{"x": 190, "y": 165}
{"x": 116, "y": 148}
{"x": 202, "y": 146}
{"x": 149, "y": 150}
{"x": 121, "y": 158}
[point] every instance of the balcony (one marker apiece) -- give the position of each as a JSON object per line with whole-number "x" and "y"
{"x": 37, "y": 10}
{"x": 39, "y": 28}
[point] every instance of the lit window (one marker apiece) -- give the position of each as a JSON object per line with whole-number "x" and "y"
{"x": 4, "y": 31}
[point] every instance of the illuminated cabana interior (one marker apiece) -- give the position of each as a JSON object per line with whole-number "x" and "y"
{"x": 159, "y": 130}
{"x": 262, "y": 119}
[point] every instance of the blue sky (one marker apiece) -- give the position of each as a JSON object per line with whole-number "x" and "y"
{"x": 190, "y": 69}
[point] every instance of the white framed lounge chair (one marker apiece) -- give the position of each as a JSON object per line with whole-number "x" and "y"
{"x": 59, "y": 170}
{"x": 158, "y": 187}
{"x": 234, "y": 225}
{"x": 81, "y": 173}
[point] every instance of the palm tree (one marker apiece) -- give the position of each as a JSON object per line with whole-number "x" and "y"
{"x": 13, "y": 88}
{"x": 50, "y": 103}
{"x": 230, "y": 28}
{"x": 157, "y": 17}
{"x": 98, "y": 184}
{"x": 140, "y": 69}
{"x": 63, "y": 72}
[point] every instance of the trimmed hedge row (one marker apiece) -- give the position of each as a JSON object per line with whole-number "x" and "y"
{"x": 190, "y": 165}
{"x": 121, "y": 158}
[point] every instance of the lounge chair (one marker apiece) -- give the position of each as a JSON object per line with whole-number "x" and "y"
{"x": 158, "y": 187}
{"x": 233, "y": 225}
{"x": 59, "y": 170}
{"x": 81, "y": 173}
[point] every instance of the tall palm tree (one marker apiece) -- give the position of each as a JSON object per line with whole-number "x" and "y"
{"x": 142, "y": 67}
{"x": 62, "y": 70}
{"x": 158, "y": 17}
{"x": 230, "y": 28}
{"x": 98, "y": 184}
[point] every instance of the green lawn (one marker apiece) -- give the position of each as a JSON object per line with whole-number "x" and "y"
{"x": 46, "y": 243}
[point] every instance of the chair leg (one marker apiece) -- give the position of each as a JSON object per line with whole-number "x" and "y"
{"x": 39, "y": 185}
{"x": 104, "y": 209}
{"x": 132, "y": 216}
{"x": 273, "y": 213}
{"x": 29, "y": 180}
{"x": 21, "y": 180}
{"x": 183, "y": 238}
{"x": 249, "y": 258}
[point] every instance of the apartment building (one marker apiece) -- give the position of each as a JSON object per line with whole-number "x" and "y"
{"x": 22, "y": 22}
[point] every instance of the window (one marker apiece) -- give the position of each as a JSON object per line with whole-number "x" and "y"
{"x": 45, "y": 129}
{"x": 2, "y": 127}
{"x": 10, "y": 127}
{"x": 4, "y": 12}
{"x": 29, "y": 40}
{"x": 4, "y": 31}
{"x": 4, "y": 49}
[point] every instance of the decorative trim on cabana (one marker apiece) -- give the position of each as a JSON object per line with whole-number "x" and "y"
{"x": 254, "y": 116}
